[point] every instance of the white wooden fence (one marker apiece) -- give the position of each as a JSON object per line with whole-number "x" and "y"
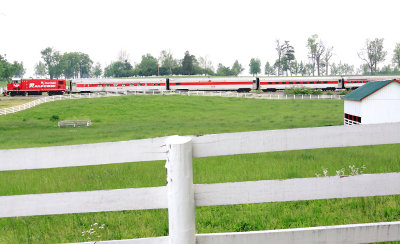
{"x": 34, "y": 103}
{"x": 181, "y": 196}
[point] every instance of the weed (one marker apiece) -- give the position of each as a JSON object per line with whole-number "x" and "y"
{"x": 94, "y": 233}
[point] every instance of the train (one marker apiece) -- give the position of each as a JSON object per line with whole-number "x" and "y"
{"x": 239, "y": 84}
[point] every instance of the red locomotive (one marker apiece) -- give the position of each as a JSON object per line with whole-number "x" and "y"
{"x": 36, "y": 87}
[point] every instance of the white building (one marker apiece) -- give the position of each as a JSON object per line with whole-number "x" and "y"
{"x": 373, "y": 103}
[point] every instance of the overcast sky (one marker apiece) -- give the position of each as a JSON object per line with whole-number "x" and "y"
{"x": 223, "y": 30}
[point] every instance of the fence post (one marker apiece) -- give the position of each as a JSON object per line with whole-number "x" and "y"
{"x": 180, "y": 190}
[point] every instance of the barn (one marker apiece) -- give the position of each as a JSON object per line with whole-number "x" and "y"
{"x": 373, "y": 103}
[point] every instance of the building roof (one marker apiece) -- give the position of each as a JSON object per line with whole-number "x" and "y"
{"x": 367, "y": 89}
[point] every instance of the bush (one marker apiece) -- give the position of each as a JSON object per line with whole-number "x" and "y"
{"x": 54, "y": 118}
{"x": 329, "y": 93}
{"x": 302, "y": 91}
{"x": 316, "y": 92}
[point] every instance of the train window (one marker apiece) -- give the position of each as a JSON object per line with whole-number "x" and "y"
{"x": 318, "y": 82}
{"x": 297, "y": 82}
{"x": 61, "y": 82}
{"x": 325, "y": 82}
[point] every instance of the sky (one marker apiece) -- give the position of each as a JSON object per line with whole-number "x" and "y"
{"x": 221, "y": 30}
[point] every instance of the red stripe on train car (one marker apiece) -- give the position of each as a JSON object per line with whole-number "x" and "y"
{"x": 210, "y": 83}
{"x": 298, "y": 82}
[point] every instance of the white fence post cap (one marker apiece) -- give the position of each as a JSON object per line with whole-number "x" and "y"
{"x": 175, "y": 139}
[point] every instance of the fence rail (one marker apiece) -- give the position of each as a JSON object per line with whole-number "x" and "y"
{"x": 203, "y": 146}
{"x": 34, "y": 103}
{"x": 204, "y": 195}
{"x": 180, "y": 196}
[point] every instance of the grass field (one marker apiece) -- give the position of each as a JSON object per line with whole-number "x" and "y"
{"x": 6, "y": 103}
{"x": 130, "y": 117}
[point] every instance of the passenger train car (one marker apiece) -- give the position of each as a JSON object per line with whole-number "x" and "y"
{"x": 175, "y": 84}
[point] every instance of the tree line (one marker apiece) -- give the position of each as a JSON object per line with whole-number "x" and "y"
{"x": 77, "y": 64}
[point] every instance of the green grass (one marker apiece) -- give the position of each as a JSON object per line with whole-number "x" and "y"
{"x": 136, "y": 117}
{"x": 126, "y": 118}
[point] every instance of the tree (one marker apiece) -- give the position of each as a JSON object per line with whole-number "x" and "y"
{"x": 71, "y": 65}
{"x": 294, "y": 67}
{"x": 51, "y": 59}
{"x": 223, "y": 70}
{"x": 312, "y": 49}
{"x": 315, "y": 51}
{"x": 309, "y": 69}
{"x": 237, "y": 68}
{"x": 85, "y": 65}
{"x": 6, "y": 71}
{"x": 278, "y": 62}
{"x": 188, "y": 64}
{"x": 396, "y": 55}
{"x": 148, "y": 66}
{"x": 96, "y": 70}
{"x": 334, "y": 69}
{"x": 302, "y": 69}
{"x": 76, "y": 64}
{"x": 123, "y": 56}
{"x": 318, "y": 54}
{"x": 255, "y": 66}
{"x": 269, "y": 70}
{"x": 40, "y": 69}
{"x": 287, "y": 57}
{"x": 18, "y": 69}
{"x": 119, "y": 69}
{"x": 372, "y": 54}
{"x": 327, "y": 56}
{"x": 167, "y": 61}
{"x": 206, "y": 65}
